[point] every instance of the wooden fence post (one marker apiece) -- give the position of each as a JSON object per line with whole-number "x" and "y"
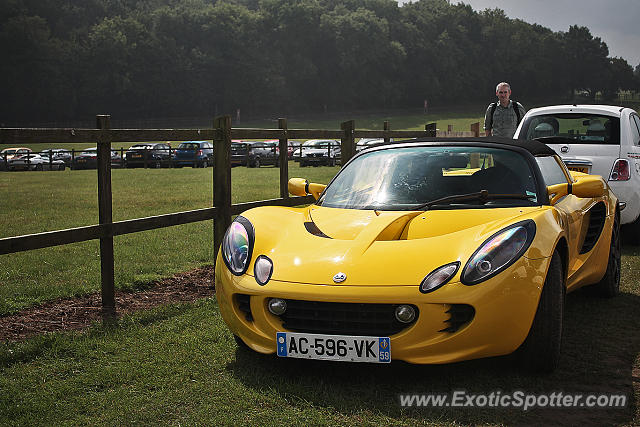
{"x": 348, "y": 142}
{"x": 221, "y": 180}
{"x": 103, "y": 122}
{"x": 475, "y": 128}
{"x": 386, "y": 127}
{"x": 284, "y": 160}
{"x": 431, "y": 129}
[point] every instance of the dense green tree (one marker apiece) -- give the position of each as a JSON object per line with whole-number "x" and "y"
{"x": 71, "y": 59}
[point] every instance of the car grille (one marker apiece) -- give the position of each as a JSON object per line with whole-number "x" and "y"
{"x": 459, "y": 315}
{"x": 244, "y": 305}
{"x": 342, "y": 318}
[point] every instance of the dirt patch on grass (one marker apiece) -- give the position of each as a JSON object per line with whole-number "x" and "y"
{"x": 78, "y": 313}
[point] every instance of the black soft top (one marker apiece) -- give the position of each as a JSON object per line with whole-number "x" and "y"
{"x": 536, "y": 148}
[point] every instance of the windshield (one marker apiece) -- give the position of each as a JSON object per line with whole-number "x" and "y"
{"x": 573, "y": 128}
{"x": 188, "y": 146}
{"x": 411, "y": 178}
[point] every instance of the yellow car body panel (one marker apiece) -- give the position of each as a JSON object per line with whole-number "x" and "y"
{"x": 385, "y": 255}
{"x": 356, "y": 246}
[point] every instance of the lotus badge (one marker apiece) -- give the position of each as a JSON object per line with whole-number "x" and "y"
{"x": 339, "y": 277}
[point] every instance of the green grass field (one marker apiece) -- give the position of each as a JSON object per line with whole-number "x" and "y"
{"x": 179, "y": 365}
{"x": 45, "y": 201}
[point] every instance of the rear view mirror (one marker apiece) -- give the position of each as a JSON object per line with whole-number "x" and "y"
{"x": 302, "y": 187}
{"x": 588, "y": 186}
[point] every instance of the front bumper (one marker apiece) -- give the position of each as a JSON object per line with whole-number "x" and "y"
{"x": 504, "y": 308}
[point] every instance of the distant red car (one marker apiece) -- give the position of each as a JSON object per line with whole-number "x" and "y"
{"x": 291, "y": 146}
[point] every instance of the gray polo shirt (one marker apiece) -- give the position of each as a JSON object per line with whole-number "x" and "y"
{"x": 505, "y": 120}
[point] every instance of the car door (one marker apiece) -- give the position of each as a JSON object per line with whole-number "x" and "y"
{"x": 573, "y": 210}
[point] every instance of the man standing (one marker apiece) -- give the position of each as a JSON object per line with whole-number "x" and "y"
{"x": 502, "y": 118}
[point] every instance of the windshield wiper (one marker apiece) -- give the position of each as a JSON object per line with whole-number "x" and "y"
{"x": 483, "y": 196}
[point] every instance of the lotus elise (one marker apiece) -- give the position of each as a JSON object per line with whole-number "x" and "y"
{"x": 430, "y": 251}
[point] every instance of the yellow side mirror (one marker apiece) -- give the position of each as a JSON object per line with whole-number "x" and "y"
{"x": 588, "y": 186}
{"x": 302, "y": 187}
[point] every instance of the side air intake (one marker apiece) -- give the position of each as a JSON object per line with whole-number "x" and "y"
{"x": 597, "y": 215}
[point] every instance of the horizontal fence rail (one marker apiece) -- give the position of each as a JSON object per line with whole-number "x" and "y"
{"x": 222, "y": 210}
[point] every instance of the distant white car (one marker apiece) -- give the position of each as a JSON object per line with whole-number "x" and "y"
{"x": 34, "y": 162}
{"x": 369, "y": 142}
{"x": 597, "y": 139}
{"x": 317, "y": 152}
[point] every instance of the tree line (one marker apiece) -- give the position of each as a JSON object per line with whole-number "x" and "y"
{"x": 72, "y": 59}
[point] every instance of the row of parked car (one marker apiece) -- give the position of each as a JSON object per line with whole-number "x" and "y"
{"x": 154, "y": 155}
{"x": 314, "y": 152}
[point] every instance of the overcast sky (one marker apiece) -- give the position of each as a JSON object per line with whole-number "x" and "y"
{"x": 616, "y": 22}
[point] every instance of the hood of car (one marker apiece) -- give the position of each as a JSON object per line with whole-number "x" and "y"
{"x": 389, "y": 248}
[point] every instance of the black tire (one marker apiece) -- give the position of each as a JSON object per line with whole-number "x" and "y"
{"x": 157, "y": 164}
{"x": 332, "y": 162}
{"x": 61, "y": 167}
{"x": 303, "y": 164}
{"x": 256, "y": 162}
{"x": 205, "y": 164}
{"x": 540, "y": 351}
{"x": 632, "y": 233}
{"x": 39, "y": 168}
{"x": 609, "y": 286}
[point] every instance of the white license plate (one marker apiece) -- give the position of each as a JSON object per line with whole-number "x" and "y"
{"x": 334, "y": 347}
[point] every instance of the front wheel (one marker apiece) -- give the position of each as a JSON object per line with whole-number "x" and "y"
{"x": 540, "y": 351}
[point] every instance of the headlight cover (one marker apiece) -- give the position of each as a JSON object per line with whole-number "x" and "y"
{"x": 498, "y": 252}
{"x": 237, "y": 245}
{"x": 439, "y": 277}
{"x": 263, "y": 269}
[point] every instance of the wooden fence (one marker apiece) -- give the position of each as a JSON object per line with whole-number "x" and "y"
{"x": 222, "y": 210}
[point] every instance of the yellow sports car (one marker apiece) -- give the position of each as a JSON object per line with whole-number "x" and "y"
{"x": 430, "y": 251}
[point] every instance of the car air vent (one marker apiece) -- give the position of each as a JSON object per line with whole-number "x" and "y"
{"x": 360, "y": 319}
{"x": 244, "y": 305}
{"x": 461, "y": 314}
{"x": 313, "y": 229}
{"x": 597, "y": 216}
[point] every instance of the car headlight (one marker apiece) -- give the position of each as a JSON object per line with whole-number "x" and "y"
{"x": 498, "y": 252}
{"x": 237, "y": 245}
{"x": 439, "y": 277}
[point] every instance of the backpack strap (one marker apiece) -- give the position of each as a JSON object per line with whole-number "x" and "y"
{"x": 517, "y": 111}
{"x": 493, "y": 106}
